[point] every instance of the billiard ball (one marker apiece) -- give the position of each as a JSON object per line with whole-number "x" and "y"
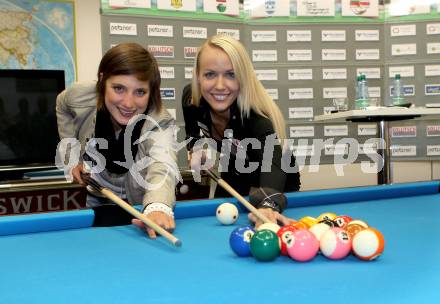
{"x": 335, "y": 244}
{"x": 286, "y": 234}
{"x": 240, "y": 239}
{"x": 265, "y": 245}
{"x": 342, "y": 220}
{"x": 326, "y": 216}
{"x": 303, "y": 247}
{"x": 353, "y": 229}
{"x": 360, "y": 222}
{"x": 298, "y": 225}
{"x": 308, "y": 221}
{"x": 227, "y": 213}
{"x": 270, "y": 226}
{"x": 368, "y": 244}
{"x": 184, "y": 189}
{"x": 319, "y": 229}
{"x": 331, "y": 223}
{"x": 355, "y": 226}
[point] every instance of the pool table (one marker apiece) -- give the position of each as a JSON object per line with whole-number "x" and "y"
{"x": 60, "y": 258}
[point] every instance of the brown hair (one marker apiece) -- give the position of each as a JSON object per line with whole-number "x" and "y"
{"x": 130, "y": 59}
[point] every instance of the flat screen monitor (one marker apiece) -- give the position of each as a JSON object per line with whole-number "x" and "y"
{"x": 28, "y": 128}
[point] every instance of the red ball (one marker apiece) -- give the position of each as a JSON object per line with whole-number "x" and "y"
{"x": 342, "y": 220}
{"x": 285, "y": 234}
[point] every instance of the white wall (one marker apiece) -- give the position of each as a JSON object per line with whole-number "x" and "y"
{"x": 401, "y": 172}
{"x": 436, "y": 170}
{"x": 88, "y": 38}
{"x": 89, "y": 53}
{"x": 328, "y": 178}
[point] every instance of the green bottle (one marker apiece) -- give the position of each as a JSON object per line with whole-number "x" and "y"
{"x": 398, "y": 98}
{"x": 362, "y": 100}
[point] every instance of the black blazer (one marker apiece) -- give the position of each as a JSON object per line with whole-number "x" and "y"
{"x": 198, "y": 124}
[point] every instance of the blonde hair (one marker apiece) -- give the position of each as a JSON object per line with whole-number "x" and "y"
{"x": 252, "y": 94}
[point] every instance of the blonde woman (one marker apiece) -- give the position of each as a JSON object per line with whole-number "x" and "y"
{"x": 228, "y": 104}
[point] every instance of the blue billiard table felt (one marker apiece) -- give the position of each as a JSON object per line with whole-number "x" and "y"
{"x": 121, "y": 265}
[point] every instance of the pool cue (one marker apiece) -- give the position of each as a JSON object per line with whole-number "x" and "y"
{"x": 127, "y": 207}
{"x": 237, "y": 195}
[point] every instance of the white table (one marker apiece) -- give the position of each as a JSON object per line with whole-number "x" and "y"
{"x": 381, "y": 116}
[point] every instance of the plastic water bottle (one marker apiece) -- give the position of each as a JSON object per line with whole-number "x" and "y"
{"x": 362, "y": 100}
{"x": 358, "y": 90}
{"x": 398, "y": 98}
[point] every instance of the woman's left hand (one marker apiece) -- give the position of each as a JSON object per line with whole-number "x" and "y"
{"x": 160, "y": 218}
{"x": 272, "y": 215}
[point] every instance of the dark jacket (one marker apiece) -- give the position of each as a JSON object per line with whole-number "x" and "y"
{"x": 198, "y": 121}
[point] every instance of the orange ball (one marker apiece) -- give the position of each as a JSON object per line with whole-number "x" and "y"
{"x": 353, "y": 229}
{"x": 368, "y": 244}
{"x": 298, "y": 225}
{"x": 360, "y": 222}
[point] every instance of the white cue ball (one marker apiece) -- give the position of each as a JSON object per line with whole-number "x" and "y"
{"x": 184, "y": 189}
{"x": 227, "y": 213}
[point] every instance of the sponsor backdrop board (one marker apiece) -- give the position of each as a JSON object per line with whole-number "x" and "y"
{"x": 306, "y": 53}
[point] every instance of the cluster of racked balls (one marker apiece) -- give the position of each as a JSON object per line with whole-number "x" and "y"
{"x": 332, "y": 235}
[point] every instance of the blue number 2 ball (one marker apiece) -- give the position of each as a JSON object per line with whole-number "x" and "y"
{"x": 240, "y": 240}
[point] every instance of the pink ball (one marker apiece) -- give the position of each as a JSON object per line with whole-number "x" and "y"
{"x": 304, "y": 246}
{"x": 335, "y": 244}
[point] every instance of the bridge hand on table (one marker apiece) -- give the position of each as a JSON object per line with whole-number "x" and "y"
{"x": 272, "y": 215}
{"x": 160, "y": 218}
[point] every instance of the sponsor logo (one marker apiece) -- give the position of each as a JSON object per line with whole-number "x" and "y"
{"x": 156, "y": 30}
{"x": 269, "y": 6}
{"x": 410, "y": 131}
{"x": 259, "y": 36}
{"x": 229, "y": 32}
{"x": 168, "y": 93}
{"x": 166, "y": 72}
{"x": 195, "y": 32}
{"x": 264, "y": 55}
{"x": 221, "y": 6}
{"x": 403, "y": 150}
{"x": 359, "y": 7}
{"x": 433, "y": 130}
{"x": 432, "y": 150}
{"x": 299, "y": 55}
{"x": 267, "y": 74}
{"x": 123, "y": 29}
{"x": 162, "y": 51}
{"x": 302, "y": 131}
{"x": 190, "y": 52}
{"x": 176, "y": 4}
{"x": 432, "y": 89}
